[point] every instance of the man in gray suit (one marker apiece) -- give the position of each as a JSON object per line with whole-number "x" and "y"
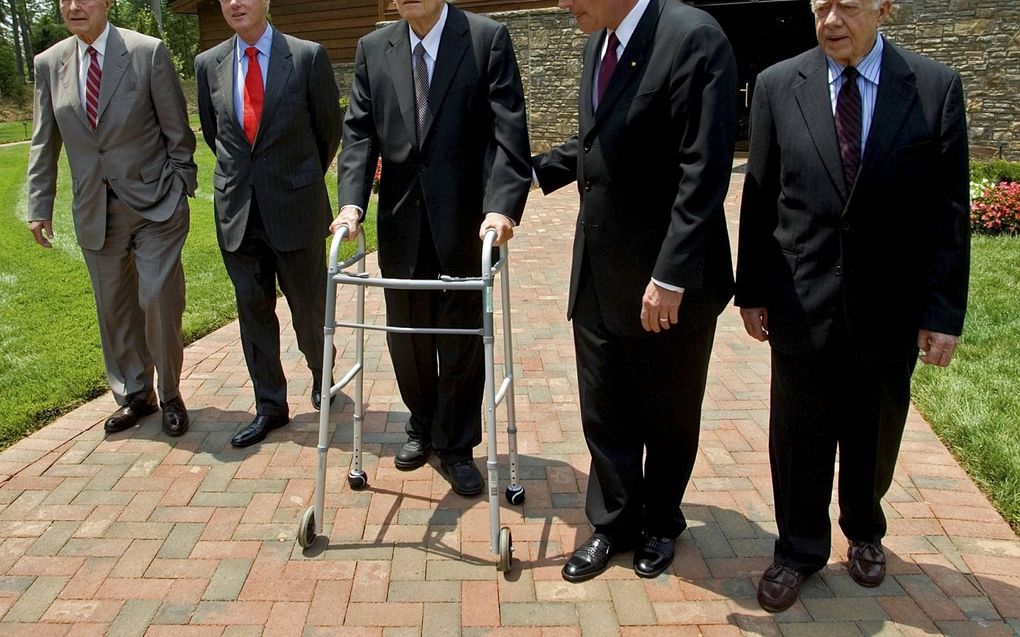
{"x": 111, "y": 98}
{"x": 270, "y": 110}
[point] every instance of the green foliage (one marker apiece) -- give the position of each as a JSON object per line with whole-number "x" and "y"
{"x": 974, "y": 404}
{"x": 47, "y": 30}
{"x": 11, "y": 85}
{"x": 994, "y": 170}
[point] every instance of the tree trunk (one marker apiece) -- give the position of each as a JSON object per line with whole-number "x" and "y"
{"x": 15, "y": 29}
{"x": 26, "y": 39}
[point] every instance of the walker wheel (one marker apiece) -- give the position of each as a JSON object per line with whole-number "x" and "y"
{"x": 306, "y": 528}
{"x": 357, "y": 481}
{"x": 506, "y": 550}
{"x": 515, "y": 494}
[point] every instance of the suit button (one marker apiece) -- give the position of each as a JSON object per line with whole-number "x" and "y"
{"x": 587, "y": 147}
{"x": 846, "y": 226}
{"x": 417, "y": 203}
{"x": 587, "y": 185}
{"x": 839, "y": 270}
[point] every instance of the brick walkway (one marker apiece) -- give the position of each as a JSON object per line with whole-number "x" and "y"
{"x": 137, "y": 533}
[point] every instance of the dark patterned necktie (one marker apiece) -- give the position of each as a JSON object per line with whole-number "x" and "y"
{"x": 848, "y": 125}
{"x": 92, "y": 82}
{"x": 421, "y": 92}
{"x": 608, "y": 65}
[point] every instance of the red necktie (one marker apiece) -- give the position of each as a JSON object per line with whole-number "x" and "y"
{"x": 252, "y": 94}
{"x": 608, "y": 65}
{"x": 93, "y": 79}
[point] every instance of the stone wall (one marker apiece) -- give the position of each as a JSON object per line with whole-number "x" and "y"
{"x": 981, "y": 40}
{"x": 548, "y": 46}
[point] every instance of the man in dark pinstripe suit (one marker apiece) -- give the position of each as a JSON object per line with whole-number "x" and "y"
{"x": 275, "y": 128}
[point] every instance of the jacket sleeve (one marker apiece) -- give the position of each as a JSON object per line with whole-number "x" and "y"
{"x": 324, "y": 97}
{"x": 172, "y": 113}
{"x": 44, "y": 151}
{"x": 360, "y": 150}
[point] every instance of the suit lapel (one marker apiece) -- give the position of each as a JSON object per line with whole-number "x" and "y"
{"x": 225, "y": 78}
{"x": 69, "y": 80}
{"x": 115, "y": 63}
{"x": 452, "y": 45}
{"x": 897, "y": 93}
{"x": 587, "y": 111}
{"x": 631, "y": 64}
{"x": 812, "y": 94}
{"x": 398, "y": 58}
{"x": 280, "y": 65}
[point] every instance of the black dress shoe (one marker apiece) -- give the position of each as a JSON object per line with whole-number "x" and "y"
{"x": 464, "y": 477}
{"x": 137, "y": 407}
{"x": 317, "y": 394}
{"x": 590, "y": 559}
{"x": 175, "y": 417}
{"x": 257, "y": 430}
{"x": 413, "y": 454}
{"x": 866, "y": 563}
{"x": 654, "y": 556}
{"x": 779, "y": 587}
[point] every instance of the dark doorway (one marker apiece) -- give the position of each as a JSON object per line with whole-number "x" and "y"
{"x": 762, "y": 32}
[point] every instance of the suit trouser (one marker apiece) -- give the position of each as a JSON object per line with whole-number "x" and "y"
{"x": 640, "y": 397}
{"x": 819, "y": 403}
{"x": 254, "y": 269}
{"x": 138, "y": 283}
{"x": 441, "y": 377}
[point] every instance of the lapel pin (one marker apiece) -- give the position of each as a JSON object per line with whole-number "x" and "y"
{"x": 633, "y": 63}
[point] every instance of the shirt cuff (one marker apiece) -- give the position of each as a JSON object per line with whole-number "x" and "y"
{"x": 668, "y": 286}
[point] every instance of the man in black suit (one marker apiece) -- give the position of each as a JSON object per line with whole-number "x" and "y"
{"x": 275, "y": 128}
{"x": 854, "y": 253}
{"x": 651, "y": 268}
{"x": 438, "y": 96}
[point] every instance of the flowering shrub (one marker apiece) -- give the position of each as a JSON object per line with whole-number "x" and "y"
{"x": 378, "y": 174}
{"x": 995, "y": 208}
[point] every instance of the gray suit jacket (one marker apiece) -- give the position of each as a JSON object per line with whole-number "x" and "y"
{"x": 298, "y": 136}
{"x": 142, "y": 146}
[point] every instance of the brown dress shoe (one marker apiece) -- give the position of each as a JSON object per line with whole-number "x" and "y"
{"x": 866, "y": 563}
{"x": 175, "y": 417}
{"x": 779, "y": 587}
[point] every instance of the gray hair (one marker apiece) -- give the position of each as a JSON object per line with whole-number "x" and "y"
{"x": 874, "y": 3}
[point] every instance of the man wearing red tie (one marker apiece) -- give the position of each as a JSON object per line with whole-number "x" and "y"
{"x": 270, "y": 110}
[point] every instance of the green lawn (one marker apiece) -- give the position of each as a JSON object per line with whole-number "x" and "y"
{"x": 974, "y": 404}
{"x": 17, "y": 131}
{"x": 50, "y": 359}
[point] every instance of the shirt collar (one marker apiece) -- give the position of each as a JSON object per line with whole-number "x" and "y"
{"x": 99, "y": 44}
{"x": 870, "y": 66}
{"x": 264, "y": 44}
{"x": 432, "y": 38}
{"x": 629, "y": 24}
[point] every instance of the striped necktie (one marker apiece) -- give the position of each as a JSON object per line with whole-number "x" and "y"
{"x": 848, "y": 125}
{"x": 92, "y": 83}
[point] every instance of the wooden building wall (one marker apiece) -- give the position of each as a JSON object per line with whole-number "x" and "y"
{"x": 336, "y": 24}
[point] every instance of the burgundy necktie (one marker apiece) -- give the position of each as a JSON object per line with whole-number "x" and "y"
{"x": 252, "y": 94}
{"x": 608, "y": 65}
{"x": 848, "y": 125}
{"x": 92, "y": 82}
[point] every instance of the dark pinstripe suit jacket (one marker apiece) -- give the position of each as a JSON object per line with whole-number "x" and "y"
{"x": 297, "y": 139}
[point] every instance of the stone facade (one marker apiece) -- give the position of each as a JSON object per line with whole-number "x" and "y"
{"x": 981, "y": 40}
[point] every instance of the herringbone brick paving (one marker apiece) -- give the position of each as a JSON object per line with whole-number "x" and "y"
{"x": 140, "y": 534}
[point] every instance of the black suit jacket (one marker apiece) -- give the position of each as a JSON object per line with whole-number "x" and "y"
{"x": 653, "y": 167}
{"x": 882, "y": 261}
{"x": 474, "y": 155}
{"x": 298, "y": 136}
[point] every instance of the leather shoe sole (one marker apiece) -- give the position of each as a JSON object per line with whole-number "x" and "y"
{"x": 258, "y": 429}
{"x": 779, "y": 588}
{"x": 175, "y": 418}
{"x": 128, "y": 416}
{"x": 654, "y": 556}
